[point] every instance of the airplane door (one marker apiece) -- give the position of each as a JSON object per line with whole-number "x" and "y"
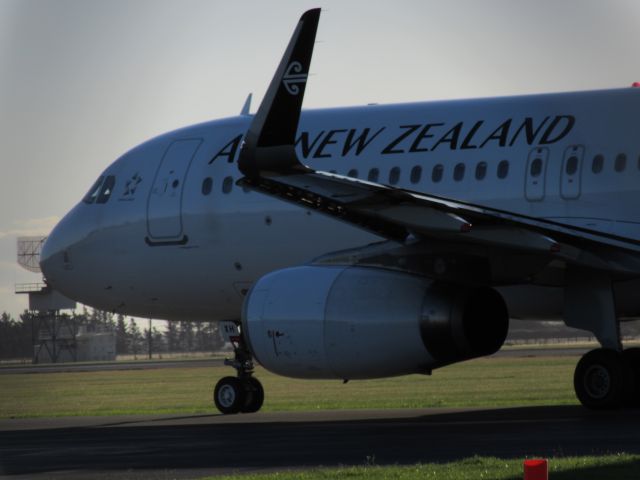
{"x": 164, "y": 205}
{"x": 570, "y": 177}
{"x": 534, "y": 187}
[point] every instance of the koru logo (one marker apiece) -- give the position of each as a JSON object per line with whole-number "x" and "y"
{"x": 293, "y": 78}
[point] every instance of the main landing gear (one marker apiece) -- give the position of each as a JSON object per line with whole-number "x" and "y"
{"x": 244, "y": 393}
{"x": 606, "y": 379}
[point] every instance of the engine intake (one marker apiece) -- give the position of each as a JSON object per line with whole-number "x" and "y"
{"x": 356, "y": 322}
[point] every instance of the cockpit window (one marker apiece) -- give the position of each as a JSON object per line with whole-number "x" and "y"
{"x": 107, "y": 189}
{"x": 93, "y": 192}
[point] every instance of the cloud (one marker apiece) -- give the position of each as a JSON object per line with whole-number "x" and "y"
{"x": 31, "y": 227}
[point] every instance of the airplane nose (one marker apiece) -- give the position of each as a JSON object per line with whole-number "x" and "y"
{"x": 50, "y": 256}
{"x": 55, "y": 257}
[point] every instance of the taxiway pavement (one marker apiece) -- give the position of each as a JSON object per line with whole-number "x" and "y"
{"x": 197, "y": 445}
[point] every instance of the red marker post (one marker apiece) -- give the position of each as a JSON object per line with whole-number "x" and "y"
{"x": 536, "y": 469}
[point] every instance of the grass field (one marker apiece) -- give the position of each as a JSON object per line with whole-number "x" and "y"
{"x": 610, "y": 467}
{"x": 496, "y": 382}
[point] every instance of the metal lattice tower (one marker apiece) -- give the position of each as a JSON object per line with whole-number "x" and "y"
{"x": 53, "y": 334}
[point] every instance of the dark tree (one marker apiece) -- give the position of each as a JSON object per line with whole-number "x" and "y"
{"x": 171, "y": 335}
{"x": 15, "y": 336}
{"x": 214, "y": 338}
{"x": 200, "y": 338}
{"x": 122, "y": 336}
{"x": 135, "y": 338}
{"x": 186, "y": 336}
{"x": 158, "y": 341}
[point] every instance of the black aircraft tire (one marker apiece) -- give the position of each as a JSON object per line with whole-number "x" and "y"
{"x": 254, "y": 395}
{"x": 631, "y": 357}
{"x": 229, "y": 395}
{"x": 601, "y": 379}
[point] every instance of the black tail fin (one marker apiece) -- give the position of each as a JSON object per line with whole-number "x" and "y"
{"x": 269, "y": 145}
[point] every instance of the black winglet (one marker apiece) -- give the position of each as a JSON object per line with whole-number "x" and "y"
{"x": 269, "y": 144}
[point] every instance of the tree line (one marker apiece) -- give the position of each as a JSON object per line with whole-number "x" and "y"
{"x": 18, "y": 336}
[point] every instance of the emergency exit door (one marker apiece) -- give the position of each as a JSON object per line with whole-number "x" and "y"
{"x": 571, "y": 175}
{"x": 536, "y": 174}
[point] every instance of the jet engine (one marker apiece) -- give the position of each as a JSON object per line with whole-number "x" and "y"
{"x": 358, "y": 322}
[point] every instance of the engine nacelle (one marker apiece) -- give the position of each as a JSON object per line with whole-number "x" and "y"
{"x": 356, "y": 322}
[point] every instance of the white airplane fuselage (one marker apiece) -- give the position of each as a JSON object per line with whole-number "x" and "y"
{"x": 170, "y": 235}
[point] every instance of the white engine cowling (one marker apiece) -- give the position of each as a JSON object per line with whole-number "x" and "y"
{"x": 358, "y": 322}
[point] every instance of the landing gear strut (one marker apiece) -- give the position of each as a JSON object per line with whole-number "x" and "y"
{"x": 608, "y": 377}
{"x": 631, "y": 357}
{"x": 244, "y": 393}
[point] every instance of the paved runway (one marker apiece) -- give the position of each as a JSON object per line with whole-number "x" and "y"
{"x": 216, "y": 362}
{"x": 110, "y": 366}
{"x": 192, "y": 446}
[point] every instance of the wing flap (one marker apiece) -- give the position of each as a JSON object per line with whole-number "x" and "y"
{"x": 420, "y": 218}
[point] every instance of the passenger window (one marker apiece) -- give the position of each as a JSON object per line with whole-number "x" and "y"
{"x": 481, "y": 170}
{"x": 621, "y": 162}
{"x": 374, "y": 174}
{"x": 458, "y": 172}
{"x": 503, "y": 169}
{"x": 353, "y": 173}
{"x": 597, "y": 164}
{"x": 536, "y": 168}
{"x": 227, "y": 184}
{"x": 394, "y": 175}
{"x": 436, "y": 173}
{"x": 107, "y": 189}
{"x": 416, "y": 174}
{"x": 572, "y": 165}
{"x": 93, "y": 192}
{"x": 207, "y": 183}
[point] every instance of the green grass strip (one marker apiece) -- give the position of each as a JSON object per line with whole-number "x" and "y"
{"x": 609, "y": 467}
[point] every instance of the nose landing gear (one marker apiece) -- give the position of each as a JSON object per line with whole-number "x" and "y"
{"x": 238, "y": 395}
{"x": 244, "y": 393}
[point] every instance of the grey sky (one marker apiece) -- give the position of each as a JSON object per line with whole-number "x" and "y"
{"x": 82, "y": 81}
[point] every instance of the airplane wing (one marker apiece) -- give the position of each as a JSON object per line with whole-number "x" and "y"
{"x": 270, "y": 164}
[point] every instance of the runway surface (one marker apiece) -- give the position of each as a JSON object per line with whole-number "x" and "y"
{"x": 192, "y": 446}
{"x": 216, "y": 362}
{"x": 110, "y": 366}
